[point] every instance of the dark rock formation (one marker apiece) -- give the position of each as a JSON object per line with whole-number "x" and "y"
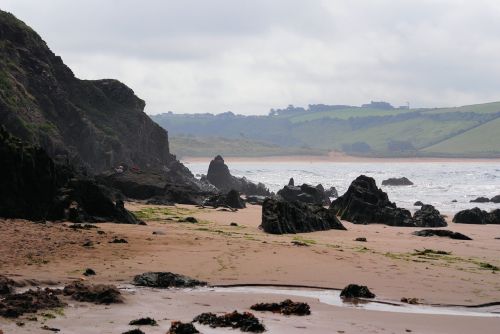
{"x": 246, "y": 321}
{"x": 232, "y": 200}
{"x": 360, "y": 239}
{"x": 177, "y": 327}
{"x": 97, "y": 124}
{"x": 279, "y": 217}
{"x": 441, "y": 233}
{"x": 493, "y": 217}
{"x": 134, "y": 331}
{"x": 305, "y": 194}
{"x": 477, "y": 216}
{"x": 166, "y": 280}
{"x": 291, "y": 182}
{"x": 143, "y": 322}
{"x": 6, "y": 285}
{"x": 428, "y": 216}
{"x": 470, "y": 216}
{"x": 286, "y": 307}
{"x": 97, "y": 294}
{"x": 480, "y": 200}
{"x": 89, "y": 272}
{"x": 495, "y": 199}
{"x": 219, "y": 175}
{"x": 401, "y": 181}
{"x": 331, "y": 192}
{"x": 365, "y": 203}
{"x": 15, "y": 305}
{"x": 356, "y": 291}
{"x": 35, "y": 188}
{"x": 418, "y": 203}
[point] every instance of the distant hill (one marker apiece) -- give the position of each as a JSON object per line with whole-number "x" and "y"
{"x": 190, "y": 146}
{"x": 92, "y": 123}
{"x": 372, "y": 130}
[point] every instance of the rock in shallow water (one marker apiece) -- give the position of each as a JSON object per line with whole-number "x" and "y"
{"x": 356, "y": 291}
{"x": 280, "y": 217}
{"x": 394, "y": 181}
{"x": 31, "y": 301}
{"x": 166, "y": 280}
{"x": 97, "y": 294}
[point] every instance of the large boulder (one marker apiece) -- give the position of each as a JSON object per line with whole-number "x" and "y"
{"x": 280, "y": 217}
{"x": 305, "y": 194}
{"x": 395, "y": 181}
{"x": 365, "y": 203}
{"x": 470, "y": 216}
{"x": 480, "y": 200}
{"x": 495, "y": 199}
{"x": 218, "y": 174}
{"x": 428, "y": 216}
{"x": 493, "y": 217}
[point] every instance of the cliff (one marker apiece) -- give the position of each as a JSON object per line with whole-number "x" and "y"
{"x": 96, "y": 124}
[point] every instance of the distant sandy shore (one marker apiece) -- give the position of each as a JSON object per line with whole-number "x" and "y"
{"x": 335, "y": 157}
{"x": 214, "y": 251}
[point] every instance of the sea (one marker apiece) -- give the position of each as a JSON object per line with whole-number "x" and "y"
{"x": 436, "y": 183}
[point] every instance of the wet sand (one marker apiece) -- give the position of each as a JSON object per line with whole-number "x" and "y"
{"x": 214, "y": 251}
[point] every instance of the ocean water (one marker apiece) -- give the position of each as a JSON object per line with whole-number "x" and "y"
{"x": 436, "y": 183}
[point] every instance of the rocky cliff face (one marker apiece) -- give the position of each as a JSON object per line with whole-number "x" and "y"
{"x": 93, "y": 123}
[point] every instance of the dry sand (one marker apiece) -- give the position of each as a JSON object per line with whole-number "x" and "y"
{"x": 214, "y": 251}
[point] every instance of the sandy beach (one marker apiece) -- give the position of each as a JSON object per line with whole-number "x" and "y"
{"x": 335, "y": 157}
{"x": 221, "y": 254}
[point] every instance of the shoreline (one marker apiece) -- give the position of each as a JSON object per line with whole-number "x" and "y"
{"x": 335, "y": 157}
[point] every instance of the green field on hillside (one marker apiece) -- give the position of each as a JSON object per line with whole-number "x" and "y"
{"x": 482, "y": 139}
{"x": 183, "y": 146}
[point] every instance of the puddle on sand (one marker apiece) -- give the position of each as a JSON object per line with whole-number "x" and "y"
{"x": 332, "y": 297}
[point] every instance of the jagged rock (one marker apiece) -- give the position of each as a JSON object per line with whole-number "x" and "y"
{"x": 219, "y": 175}
{"x": 480, "y": 200}
{"x": 356, "y": 291}
{"x": 177, "y": 327}
{"x": 31, "y": 301}
{"x": 428, "y": 216}
{"x": 470, "y": 216}
{"x": 291, "y": 182}
{"x": 418, "y": 203}
{"x": 97, "y": 294}
{"x": 246, "y": 321}
{"x": 166, "y": 280}
{"x": 393, "y": 181}
{"x": 495, "y": 199}
{"x": 34, "y": 187}
{"x": 286, "y": 307}
{"x": 331, "y": 192}
{"x": 279, "y": 217}
{"x": 441, "y": 233}
{"x": 305, "y": 194}
{"x": 232, "y": 199}
{"x": 365, "y": 203}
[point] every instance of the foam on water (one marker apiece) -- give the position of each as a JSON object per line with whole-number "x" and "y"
{"x": 436, "y": 183}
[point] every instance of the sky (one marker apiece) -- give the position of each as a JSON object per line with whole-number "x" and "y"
{"x": 248, "y": 56}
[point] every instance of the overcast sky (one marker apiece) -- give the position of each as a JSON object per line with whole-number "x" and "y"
{"x": 248, "y": 56}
